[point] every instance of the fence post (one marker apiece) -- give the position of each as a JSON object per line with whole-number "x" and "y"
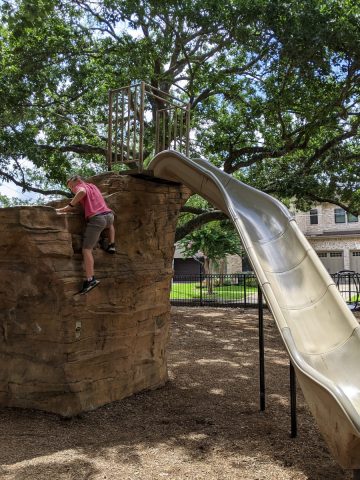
{"x": 245, "y": 293}
{"x": 201, "y": 280}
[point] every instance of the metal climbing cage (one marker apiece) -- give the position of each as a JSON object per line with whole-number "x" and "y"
{"x": 144, "y": 120}
{"x": 348, "y": 283}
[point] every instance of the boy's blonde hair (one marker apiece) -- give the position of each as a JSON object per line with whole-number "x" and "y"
{"x": 74, "y": 179}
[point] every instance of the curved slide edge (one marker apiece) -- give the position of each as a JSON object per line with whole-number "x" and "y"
{"x": 327, "y": 366}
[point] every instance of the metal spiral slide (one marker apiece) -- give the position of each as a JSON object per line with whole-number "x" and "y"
{"x": 319, "y": 332}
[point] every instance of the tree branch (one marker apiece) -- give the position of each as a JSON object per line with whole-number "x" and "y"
{"x": 197, "y": 222}
{"x": 188, "y": 209}
{"x": 101, "y": 19}
{"x": 29, "y": 188}
{"x": 257, "y": 155}
{"x": 319, "y": 152}
{"x": 75, "y": 148}
{"x": 319, "y": 199}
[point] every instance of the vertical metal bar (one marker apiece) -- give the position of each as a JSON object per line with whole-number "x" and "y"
{"x": 191, "y": 296}
{"x": 169, "y": 129}
{"x": 134, "y": 123}
{"x": 164, "y": 130}
{"x": 128, "y": 126}
{"x": 110, "y": 131}
{"x": 221, "y": 289}
{"x": 175, "y": 127}
{"x": 181, "y": 129}
{"x": 122, "y": 124}
{"x": 293, "y": 401}
{"x": 116, "y": 126}
{"x": 245, "y": 292}
{"x": 157, "y": 132}
{"x": 142, "y": 114}
{"x": 229, "y": 294}
{"x": 235, "y": 279}
{"x": 187, "y": 129}
{"x": 201, "y": 281}
{"x": 261, "y": 349}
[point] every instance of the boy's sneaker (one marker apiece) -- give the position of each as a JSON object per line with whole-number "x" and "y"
{"x": 111, "y": 248}
{"x": 89, "y": 285}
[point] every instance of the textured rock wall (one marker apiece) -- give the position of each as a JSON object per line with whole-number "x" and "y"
{"x": 67, "y": 354}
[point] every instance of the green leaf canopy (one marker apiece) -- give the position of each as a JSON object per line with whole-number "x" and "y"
{"x": 273, "y": 87}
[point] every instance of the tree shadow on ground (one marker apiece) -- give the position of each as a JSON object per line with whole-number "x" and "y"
{"x": 210, "y": 407}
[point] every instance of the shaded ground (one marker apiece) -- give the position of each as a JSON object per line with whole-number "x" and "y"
{"x": 204, "y": 424}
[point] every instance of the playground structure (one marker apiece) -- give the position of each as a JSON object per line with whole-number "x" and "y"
{"x": 319, "y": 332}
{"x": 138, "y": 110}
{"x": 66, "y": 353}
{"x": 318, "y": 329}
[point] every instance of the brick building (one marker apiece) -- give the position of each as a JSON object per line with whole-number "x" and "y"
{"x": 333, "y": 233}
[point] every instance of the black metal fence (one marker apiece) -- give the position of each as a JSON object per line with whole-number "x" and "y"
{"x": 232, "y": 290}
{"x": 241, "y": 289}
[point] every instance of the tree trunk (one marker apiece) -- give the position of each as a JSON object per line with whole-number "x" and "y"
{"x": 222, "y": 271}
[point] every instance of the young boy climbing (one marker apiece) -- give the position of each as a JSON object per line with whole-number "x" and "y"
{"x": 98, "y": 217}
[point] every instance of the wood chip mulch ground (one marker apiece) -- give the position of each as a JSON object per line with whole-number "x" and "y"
{"x": 204, "y": 424}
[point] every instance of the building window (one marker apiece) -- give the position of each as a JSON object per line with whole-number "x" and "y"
{"x": 314, "y": 220}
{"x": 352, "y": 218}
{"x": 336, "y": 254}
{"x": 322, "y": 254}
{"x": 340, "y": 215}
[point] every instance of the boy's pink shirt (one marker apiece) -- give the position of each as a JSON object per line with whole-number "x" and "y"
{"x": 93, "y": 202}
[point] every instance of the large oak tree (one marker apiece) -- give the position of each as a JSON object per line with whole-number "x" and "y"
{"x": 273, "y": 87}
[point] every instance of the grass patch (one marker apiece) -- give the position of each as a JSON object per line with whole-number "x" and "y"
{"x": 194, "y": 290}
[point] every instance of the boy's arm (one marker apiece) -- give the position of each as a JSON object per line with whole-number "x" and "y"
{"x": 73, "y": 202}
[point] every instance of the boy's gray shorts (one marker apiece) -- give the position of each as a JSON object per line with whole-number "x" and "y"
{"x": 94, "y": 227}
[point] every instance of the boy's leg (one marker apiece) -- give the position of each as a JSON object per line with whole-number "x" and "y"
{"x": 88, "y": 262}
{"x": 111, "y": 233}
{"x": 92, "y": 233}
{"x": 110, "y": 225}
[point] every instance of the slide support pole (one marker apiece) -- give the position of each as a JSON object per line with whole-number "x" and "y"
{"x": 261, "y": 349}
{"x": 293, "y": 401}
